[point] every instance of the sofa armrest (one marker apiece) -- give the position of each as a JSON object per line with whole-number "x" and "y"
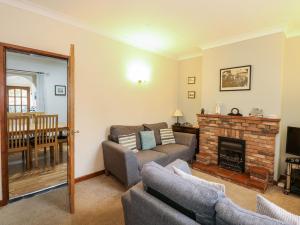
{"x": 185, "y": 139}
{"x": 121, "y": 162}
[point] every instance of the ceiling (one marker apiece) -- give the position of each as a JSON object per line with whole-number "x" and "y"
{"x": 176, "y": 28}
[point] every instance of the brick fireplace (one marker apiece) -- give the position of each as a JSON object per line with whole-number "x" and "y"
{"x": 257, "y": 133}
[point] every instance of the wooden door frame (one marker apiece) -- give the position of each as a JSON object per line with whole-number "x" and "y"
{"x": 4, "y": 47}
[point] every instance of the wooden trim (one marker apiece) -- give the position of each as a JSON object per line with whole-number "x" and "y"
{"x": 21, "y": 49}
{"x": 3, "y": 128}
{"x": 71, "y": 136}
{"x": 89, "y": 176}
{"x": 1, "y": 203}
{"x": 3, "y": 113}
{"x": 251, "y": 118}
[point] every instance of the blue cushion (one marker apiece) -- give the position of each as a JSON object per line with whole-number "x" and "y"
{"x": 147, "y": 139}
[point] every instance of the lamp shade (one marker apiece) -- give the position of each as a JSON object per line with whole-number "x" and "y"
{"x": 178, "y": 113}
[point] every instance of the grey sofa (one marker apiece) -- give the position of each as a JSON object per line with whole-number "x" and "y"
{"x": 163, "y": 198}
{"x": 126, "y": 165}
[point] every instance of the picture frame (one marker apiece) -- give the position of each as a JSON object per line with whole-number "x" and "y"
{"x": 191, "y": 80}
{"x": 191, "y": 94}
{"x": 60, "y": 90}
{"x": 235, "y": 78}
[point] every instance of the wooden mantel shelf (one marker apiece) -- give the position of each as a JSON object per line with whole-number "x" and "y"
{"x": 239, "y": 117}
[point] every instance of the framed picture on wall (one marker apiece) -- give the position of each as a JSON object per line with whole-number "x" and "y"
{"x": 235, "y": 78}
{"x": 60, "y": 90}
{"x": 191, "y": 94}
{"x": 191, "y": 80}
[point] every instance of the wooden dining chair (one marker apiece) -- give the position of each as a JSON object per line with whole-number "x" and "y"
{"x": 62, "y": 139}
{"x": 45, "y": 136}
{"x": 18, "y": 137}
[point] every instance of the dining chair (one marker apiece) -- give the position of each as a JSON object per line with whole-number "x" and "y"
{"x": 45, "y": 136}
{"x": 18, "y": 137}
{"x": 62, "y": 139}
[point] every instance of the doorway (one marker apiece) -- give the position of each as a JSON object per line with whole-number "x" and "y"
{"x": 33, "y": 96}
{"x": 37, "y": 143}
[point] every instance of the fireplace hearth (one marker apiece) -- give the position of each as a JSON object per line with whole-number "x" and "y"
{"x": 231, "y": 154}
{"x": 259, "y": 135}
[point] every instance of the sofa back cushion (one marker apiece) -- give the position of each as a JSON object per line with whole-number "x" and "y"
{"x": 117, "y": 130}
{"x": 229, "y": 213}
{"x": 156, "y": 128}
{"x": 199, "y": 201}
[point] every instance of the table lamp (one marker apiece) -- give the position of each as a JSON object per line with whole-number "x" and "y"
{"x": 177, "y": 114}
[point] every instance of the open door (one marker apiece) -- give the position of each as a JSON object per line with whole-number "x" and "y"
{"x": 3, "y": 118}
{"x": 72, "y": 132}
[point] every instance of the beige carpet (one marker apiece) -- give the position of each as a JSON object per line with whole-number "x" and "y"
{"x": 98, "y": 202}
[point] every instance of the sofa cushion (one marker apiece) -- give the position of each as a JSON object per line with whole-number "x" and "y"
{"x": 265, "y": 207}
{"x": 199, "y": 200}
{"x": 117, "y": 130}
{"x": 229, "y": 213}
{"x": 150, "y": 155}
{"x": 198, "y": 181}
{"x": 156, "y": 127}
{"x": 128, "y": 141}
{"x": 180, "y": 164}
{"x": 174, "y": 151}
{"x": 167, "y": 136}
{"x": 147, "y": 139}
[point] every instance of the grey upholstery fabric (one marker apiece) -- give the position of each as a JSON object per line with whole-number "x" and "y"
{"x": 126, "y": 166}
{"x": 121, "y": 162}
{"x": 180, "y": 164}
{"x": 150, "y": 155}
{"x": 117, "y": 130}
{"x": 229, "y": 213}
{"x": 200, "y": 200}
{"x": 140, "y": 208}
{"x": 185, "y": 139}
{"x": 175, "y": 151}
{"x": 156, "y": 127}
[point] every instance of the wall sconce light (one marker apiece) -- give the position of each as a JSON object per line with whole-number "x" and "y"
{"x": 138, "y": 72}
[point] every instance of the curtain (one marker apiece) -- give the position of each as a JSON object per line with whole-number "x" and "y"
{"x": 40, "y": 100}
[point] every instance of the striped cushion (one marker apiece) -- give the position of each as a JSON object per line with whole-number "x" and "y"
{"x": 167, "y": 136}
{"x": 267, "y": 208}
{"x": 128, "y": 141}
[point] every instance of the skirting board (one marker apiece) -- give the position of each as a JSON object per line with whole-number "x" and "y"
{"x": 89, "y": 176}
{"x": 1, "y": 203}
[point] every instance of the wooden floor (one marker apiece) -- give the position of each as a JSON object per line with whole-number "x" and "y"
{"x": 22, "y": 181}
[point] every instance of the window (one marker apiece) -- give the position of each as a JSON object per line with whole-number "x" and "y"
{"x": 18, "y": 99}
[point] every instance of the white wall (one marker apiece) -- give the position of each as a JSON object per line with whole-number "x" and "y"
{"x": 265, "y": 55}
{"x": 189, "y": 107}
{"x": 55, "y": 74}
{"x": 103, "y": 94}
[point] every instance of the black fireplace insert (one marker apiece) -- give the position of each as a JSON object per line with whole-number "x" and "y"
{"x": 231, "y": 154}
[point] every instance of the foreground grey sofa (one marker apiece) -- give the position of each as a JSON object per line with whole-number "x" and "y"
{"x": 126, "y": 165}
{"x": 163, "y": 198}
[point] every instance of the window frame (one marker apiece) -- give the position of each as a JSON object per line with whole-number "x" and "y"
{"x": 28, "y": 98}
